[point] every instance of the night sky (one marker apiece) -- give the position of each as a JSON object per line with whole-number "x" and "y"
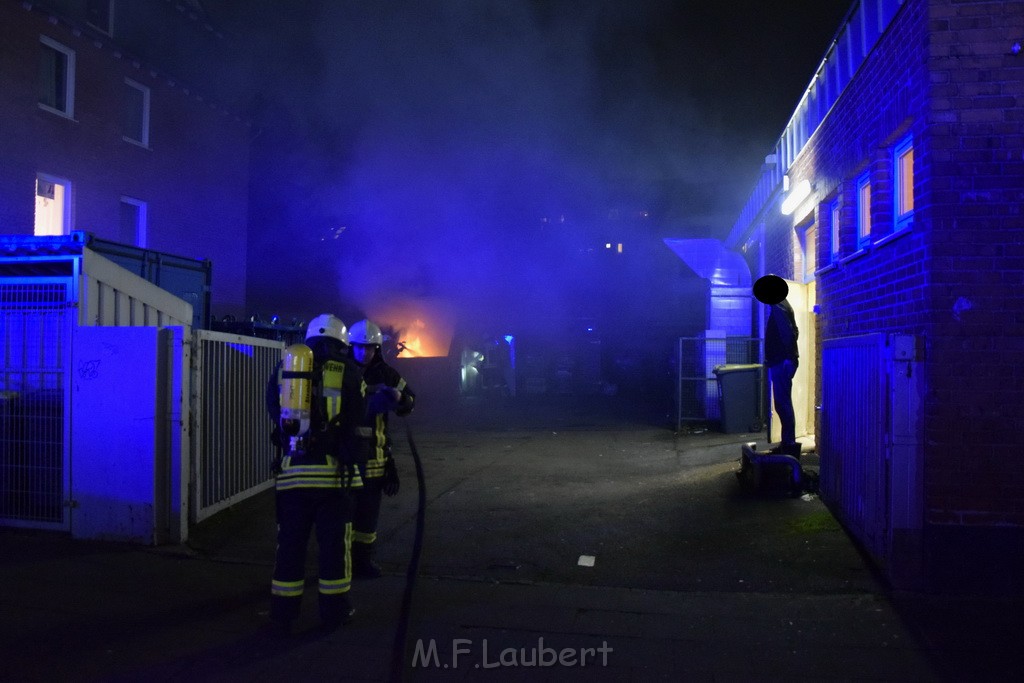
{"x": 434, "y": 139}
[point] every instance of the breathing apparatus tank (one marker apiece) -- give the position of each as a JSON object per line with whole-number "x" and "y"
{"x": 295, "y": 390}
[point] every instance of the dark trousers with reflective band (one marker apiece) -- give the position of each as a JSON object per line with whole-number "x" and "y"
{"x": 367, "y": 510}
{"x": 299, "y": 510}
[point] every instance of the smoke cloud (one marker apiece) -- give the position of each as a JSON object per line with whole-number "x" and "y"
{"x": 478, "y": 153}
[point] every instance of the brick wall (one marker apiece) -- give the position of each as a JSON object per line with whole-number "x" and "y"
{"x": 194, "y": 176}
{"x": 975, "y": 412}
{"x": 944, "y": 73}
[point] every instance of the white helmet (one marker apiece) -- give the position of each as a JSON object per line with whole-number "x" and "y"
{"x": 365, "y": 332}
{"x": 327, "y": 325}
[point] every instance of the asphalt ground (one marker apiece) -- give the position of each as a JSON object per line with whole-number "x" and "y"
{"x": 692, "y": 579}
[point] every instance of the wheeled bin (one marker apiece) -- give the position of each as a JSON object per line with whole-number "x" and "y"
{"x": 738, "y": 396}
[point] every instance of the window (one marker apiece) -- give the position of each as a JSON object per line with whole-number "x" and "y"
{"x": 834, "y": 224}
{"x": 863, "y": 211}
{"x": 53, "y": 208}
{"x": 135, "y": 113}
{"x": 99, "y": 14}
{"x": 56, "y": 78}
{"x": 809, "y": 246}
{"x": 903, "y": 176}
{"x": 133, "y": 221}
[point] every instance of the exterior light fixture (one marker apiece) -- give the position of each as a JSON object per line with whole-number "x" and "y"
{"x": 795, "y": 198}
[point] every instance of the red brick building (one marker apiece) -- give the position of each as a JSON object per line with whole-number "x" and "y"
{"x": 893, "y": 204}
{"x": 98, "y": 139}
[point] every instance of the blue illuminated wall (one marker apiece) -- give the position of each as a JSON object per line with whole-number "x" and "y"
{"x": 947, "y": 78}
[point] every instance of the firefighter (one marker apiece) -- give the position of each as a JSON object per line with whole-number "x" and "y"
{"x": 390, "y": 392}
{"x": 324, "y": 449}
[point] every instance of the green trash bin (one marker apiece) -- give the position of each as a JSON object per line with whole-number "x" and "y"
{"x": 737, "y": 396}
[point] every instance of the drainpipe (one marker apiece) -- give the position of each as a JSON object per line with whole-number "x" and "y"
{"x": 766, "y": 397}
{"x": 761, "y": 260}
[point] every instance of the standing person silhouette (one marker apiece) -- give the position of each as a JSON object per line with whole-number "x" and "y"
{"x": 780, "y": 356}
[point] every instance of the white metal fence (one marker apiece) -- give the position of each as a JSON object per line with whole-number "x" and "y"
{"x": 46, "y": 295}
{"x": 35, "y": 317}
{"x": 230, "y": 436}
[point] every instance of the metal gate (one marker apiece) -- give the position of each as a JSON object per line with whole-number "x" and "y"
{"x": 697, "y": 394}
{"x": 232, "y": 451}
{"x": 36, "y": 318}
{"x": 852, "y": 440}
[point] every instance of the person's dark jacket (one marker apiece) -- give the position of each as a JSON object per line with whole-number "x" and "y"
{"x": 780, "y": 335}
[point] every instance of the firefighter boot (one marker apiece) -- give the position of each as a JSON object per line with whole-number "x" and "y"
{"x": 363, "y": 566}
{"x": 335, "y": 614}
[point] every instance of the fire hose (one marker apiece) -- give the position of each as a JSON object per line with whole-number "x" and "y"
{"x": 398, "y": 648}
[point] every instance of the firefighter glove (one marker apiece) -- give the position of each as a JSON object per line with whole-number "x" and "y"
{"x": 382, "y": 399}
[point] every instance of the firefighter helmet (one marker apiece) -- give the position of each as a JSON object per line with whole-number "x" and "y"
{"x": 366, "y": 332}
{"x": 327, "y": 325}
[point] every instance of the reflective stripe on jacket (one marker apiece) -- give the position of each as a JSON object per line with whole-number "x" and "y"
{"x": 300, "y": 472}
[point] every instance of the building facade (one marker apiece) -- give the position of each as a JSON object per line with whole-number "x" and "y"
{"x": 892, "y": 203}
{"x": 99, "y": 139}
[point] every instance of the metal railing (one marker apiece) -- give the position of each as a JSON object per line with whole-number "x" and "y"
{"x": 35, "y": 326}
{"x": 697, "y": 390}
{"x": 231, "y": 449}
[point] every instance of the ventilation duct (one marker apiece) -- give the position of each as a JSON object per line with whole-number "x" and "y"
{"x": 729, "y": 306}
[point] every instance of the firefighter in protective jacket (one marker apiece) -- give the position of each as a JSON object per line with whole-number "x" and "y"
{"x": 388, "y": 391}
{"x": 317, "y": 400}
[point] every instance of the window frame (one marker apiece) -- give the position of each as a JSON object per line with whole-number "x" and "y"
{"x": 69, "y": 78}
{"x": 146, "y": 107}
{"x": 142, "y": 224}
{"x": 66, "y": 214}
{"x": 109, "y": 28}
{"x": 902, "y": 220}
{"x": 863, "y": 185}
{"x": 835, "y": 246}
{"x": 809, "y": 249}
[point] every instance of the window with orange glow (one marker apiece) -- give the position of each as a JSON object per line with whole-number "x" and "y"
{"x": 904, "y": 183}
{"x": 863, "y": 211}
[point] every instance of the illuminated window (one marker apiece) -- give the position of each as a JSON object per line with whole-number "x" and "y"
{"x": 135, "y": 113}
{"x": 863, "y": 211}
{"x": 99, "y": 13}
{"x": 53, "y": 213}
{"x": 133, "y": 221}
{"x": 56, "y": 78}
{"x": 833, "y": 212}
{"x": 809, "y": 246}
{"x": 903, "y": 176}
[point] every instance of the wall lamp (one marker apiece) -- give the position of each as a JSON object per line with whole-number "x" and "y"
{"x": 796, "y": 197}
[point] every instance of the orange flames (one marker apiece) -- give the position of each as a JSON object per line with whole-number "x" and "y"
{"x": 424, "y": 328}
